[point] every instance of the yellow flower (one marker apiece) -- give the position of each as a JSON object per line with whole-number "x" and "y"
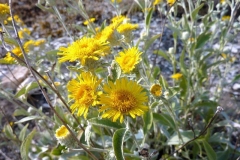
{"x": 83, "y": 49}
{"x": 171, "y": 2}
{"x": 156, "y": 90}
{"x": 62, "y": 132}
{"x": 156, "y": 2}
{"x": 90, "y": 20}
{"x": 28, "y": 45}
{"x": 125, "y": 28}
{"x": 176, "y": 76}
{"x": 64, "y": 137}
{"x": 8, "y": 59}
{"x": 122, "y": 98}
{"x": 83, "y": 91}
{"x": 24, "y": 32}
{"x": 128, "y": 59}
{"x": 17, "y": 19}
{"x": 116, "y": 21}
{"x": 105, "y": 35}
{"x": 226, "y": 18}
{"x": 39, "y": 42}
{"x": 4, "y": 11}
{"x": 224, "y": 55}
{"x": 118, "y": 1}
{"x": 222, "y": 1}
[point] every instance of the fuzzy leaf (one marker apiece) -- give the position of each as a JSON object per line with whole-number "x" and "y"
{"x": 25, "y": 119}
{"x": 202, "y": 39}
{"x": 118, "y": 138}
{"x": 25, "y": 146}
{"x": 105, "y": 123}
{"x": 210, "y": 152}
{"x": 9, "y": 132}
{"x": 148, "y": 119}
{"x": 195, "y": 11}
{"x": 23, "y": 133}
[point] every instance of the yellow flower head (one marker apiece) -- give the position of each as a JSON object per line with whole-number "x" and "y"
{"x": 156, "y": 2}
{"x": 226, "y": 18}
{"x": 222, "y": 1}
{"x": 4, "y": 11}
{"x": 64, "y": 136}
{"x": 28, "y": 45}
{"x": 118, "y": 1}
{"x": 126, "y": 28}
{"x": 128, "y": 59}
{"x": 8, "y": 59}
{"x": 83, "y": 49}
{"x": 176, "y": 76}
{"x": 83, "y": 91}
{"x": 62, "y": 132}
{"x": 39, "y": 42}
{"x": 116, "y": 21}
{"x": 171, "y": 2}
{"x": 90, "y": 20}
{"x": 156, "y": 90}
{"x": 16, "y": 18}
{"x": 106, "y": 34}
{"x": 224, "y": 55}
{"x": 123, "y": 98}
{"x": 24, "y": 32}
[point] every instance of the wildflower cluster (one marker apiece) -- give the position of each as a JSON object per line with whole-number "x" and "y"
{"x": 102, "y": 87}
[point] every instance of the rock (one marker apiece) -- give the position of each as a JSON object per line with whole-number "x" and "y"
{"x": 236, "y": 87}
{"x": 14, "y": 77}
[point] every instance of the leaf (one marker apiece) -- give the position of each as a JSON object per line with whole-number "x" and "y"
{"x": 210, "y": 152}
{"x": 9, "y": 132}
{"x": 206, "y": 103}
{"x": 118, "y": 138}
{"x": 183, "y": 63}
{"x": 25, "y": 119}
{"x": 236, "y": 78}
{"x": 149, "y": 42}
{"x": 148, "y": 119}
{"x": 202, "y": 39}
{"x": 61, "y": 113}
{"x": 183, "y": 86}
{"x": 23, "y": 133}
{"x": 105, "y": 123}
{"x": 195, "y": 11}
{"x": 155, "y": 104}
{"x": 163, "y": 82}
{"x": 164, "y": 119}
{"x": 26, "y": 89}
{"x": 88, "y": 133}
{"x": 149, "y": 17}
{"x": 162, "y": 54}
{"x": 186, "y": 136}
{"x": 52, "y": 52}
{"x": 20, "y": 112}
{"x": 25, "y": 146}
